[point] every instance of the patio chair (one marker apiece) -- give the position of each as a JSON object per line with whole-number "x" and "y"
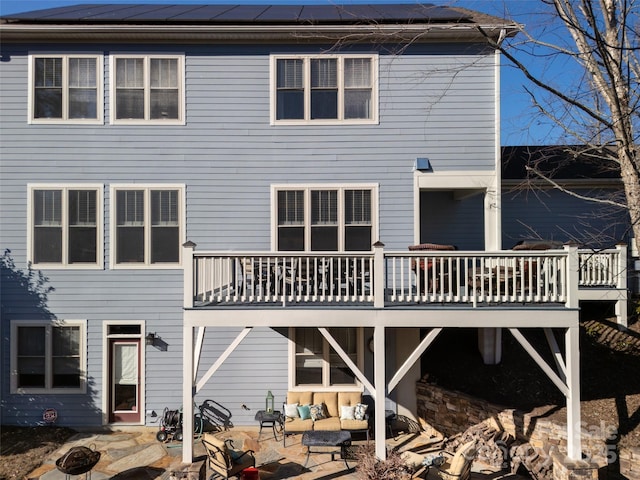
{"x": 459, "y": 466}
{"x": 223, "y": 460}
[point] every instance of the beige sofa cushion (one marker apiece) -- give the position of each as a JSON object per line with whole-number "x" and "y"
{"x": 298, "y": 425}
{"x": 332, "y": 402}
{"x": 348, "y": 398}
{"x": 301, "y": 398}
{"x": 331, "y": 423}
{"x": 354, "y": 424}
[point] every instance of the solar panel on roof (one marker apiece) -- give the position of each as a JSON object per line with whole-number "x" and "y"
{"x": 244, "y": 13}
{"x": 202, "y": 13}
{"x": 321, "y": 13}
{"x": 282, "y": 13}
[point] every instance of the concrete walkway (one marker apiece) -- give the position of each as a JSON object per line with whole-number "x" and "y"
{"x": 136, "y": 455}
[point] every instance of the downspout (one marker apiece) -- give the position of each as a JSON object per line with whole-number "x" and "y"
{"x": 490, "y": 339}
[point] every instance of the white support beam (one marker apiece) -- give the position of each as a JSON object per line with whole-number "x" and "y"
{"x": 245, "y": 331}
{"x": 572, "y": 341}
{"x": 379, "y": 376}
{"x": 187, "y": 393}
{"x": 553, "y": 376}
{"x": 345, "y": 358}
{"x": 197, "y": 351}
{"x": 557, "y": 354}
{"x": 413, "y": 358}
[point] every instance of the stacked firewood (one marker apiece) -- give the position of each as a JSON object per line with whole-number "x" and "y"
{"x": 492, "y": 445}
{"x": 535, "y": 460}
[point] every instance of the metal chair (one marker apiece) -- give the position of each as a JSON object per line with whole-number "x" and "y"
{"x": 223, "y": 460}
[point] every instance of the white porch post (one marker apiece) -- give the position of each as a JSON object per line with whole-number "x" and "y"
{"x": 379, "y": 374}
{"x": 574, "y": 447}
{"x": 188, "y": 374}
{"x": 378, "y": 274}
{"x": 621, "y": 283}
{"x": 187, "y": 393}
{"x": 573, "y": 276}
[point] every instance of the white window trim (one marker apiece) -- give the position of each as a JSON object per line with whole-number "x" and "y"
{"x": 181, "y": 120}
{"x": 65, "y": 90}
{"x": 374, "y": 120}
{"x": 147, "y": 187}
{"x": 49, "y": 324}
{"x": 325, "y": 387}
{"x": 105, "y": 365}
{"x": 308, "y": 187}
{"x": 99, "y": 187}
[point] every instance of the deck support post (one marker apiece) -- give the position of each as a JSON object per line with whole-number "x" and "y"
{"x": 574, "y": 427}
{"x": 187, "y": 393}
{"x": 379, "y": 373}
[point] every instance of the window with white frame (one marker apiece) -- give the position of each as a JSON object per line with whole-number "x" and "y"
{"x": 148, "y": 225}
{"x": 324, "y": 88}
{"x": 316, "y": 363}
{"x": 325, "y": 218}
{"x": 65, "y": 225}
{"x": 147, "y": 88}
{"x": 48, "y": 357}
{"x": 65, "y": 88}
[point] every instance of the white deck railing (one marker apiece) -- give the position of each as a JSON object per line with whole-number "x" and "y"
{"x": 402, "y": 278}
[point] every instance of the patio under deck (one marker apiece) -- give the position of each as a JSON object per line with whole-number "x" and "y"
{"x": 485, "y": 290}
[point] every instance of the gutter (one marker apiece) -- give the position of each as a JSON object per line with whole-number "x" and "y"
{"x": 421, "y": 33}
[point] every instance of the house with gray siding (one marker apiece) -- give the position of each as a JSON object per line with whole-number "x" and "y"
{"x": 210, "y": 202}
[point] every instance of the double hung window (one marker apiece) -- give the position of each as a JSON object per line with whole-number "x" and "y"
{"x": 48, "y": 357}
{"x": 147, "y": 89}
{"x": 65, "y": 225}
{"x": 317, "y": 363}
{"x": 65, "y": 88}
{"x": 325, "y": 218}
{"x": 324, "y": 89}
{"x": 148, "y": 227}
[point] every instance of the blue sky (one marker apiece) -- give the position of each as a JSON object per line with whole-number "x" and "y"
{"x": 519, "y": 124}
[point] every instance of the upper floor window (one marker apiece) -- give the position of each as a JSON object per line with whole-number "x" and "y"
{"x": 147, "y": 88}
{"x": 325, "y": 218}
{"x": 324, "y": 89}
{"x": 65, "y": 225}
{"x": 148, "y": 225}
{"x": 48, "y": 357}
{"x": 65, "y": 88}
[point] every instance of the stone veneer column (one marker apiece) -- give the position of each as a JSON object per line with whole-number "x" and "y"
{"x": 565, "y": 468}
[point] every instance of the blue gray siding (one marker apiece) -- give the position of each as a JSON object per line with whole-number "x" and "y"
{"x": 554, "y": 215}
{"x": 434, "y": 101}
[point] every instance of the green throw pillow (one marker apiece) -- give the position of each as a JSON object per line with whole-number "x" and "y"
{"x": 305, "y": 412}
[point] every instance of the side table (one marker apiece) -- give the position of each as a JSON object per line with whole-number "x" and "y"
{"x": 269, "y": 419}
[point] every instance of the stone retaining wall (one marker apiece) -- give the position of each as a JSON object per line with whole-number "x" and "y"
{"x": 451, "y": 412}
{"x": 630, "y": 462}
